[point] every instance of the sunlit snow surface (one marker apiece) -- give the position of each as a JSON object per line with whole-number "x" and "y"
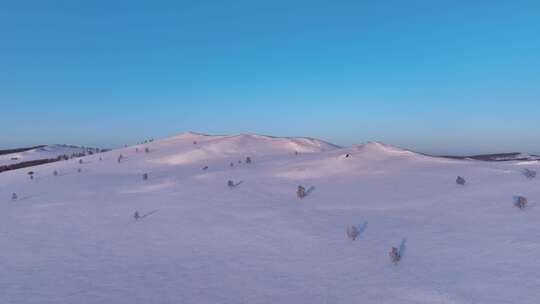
{"x": 72, "y": 238}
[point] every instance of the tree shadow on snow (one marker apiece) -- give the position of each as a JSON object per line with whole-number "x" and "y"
{"x": 238, "y": 184}
{"x": 149, "y": 213}
{"x": 23, "y": 198}
{"x": 362, "y": 228}
{"x": 402, "y": 248}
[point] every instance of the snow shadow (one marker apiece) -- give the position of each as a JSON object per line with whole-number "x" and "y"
{"x": 23, "y": 198}
{"x": 148, "y": 214}
{"x": 403, "y": 248}
{"x": 361, "y": 228}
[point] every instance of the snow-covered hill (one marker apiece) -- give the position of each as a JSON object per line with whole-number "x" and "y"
{"x": 42, "y": 152}
{"x": 71, "y": 238}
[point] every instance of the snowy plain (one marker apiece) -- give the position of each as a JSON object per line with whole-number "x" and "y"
{"x": 72, "y": 238}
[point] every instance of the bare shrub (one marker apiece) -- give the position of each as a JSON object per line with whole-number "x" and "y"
{"x": 301, "y": 192}
{"x": 353, "y": 232}
{"x": 520, "y": 201}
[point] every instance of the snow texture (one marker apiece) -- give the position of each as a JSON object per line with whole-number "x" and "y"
{"x": 72, "y": 238}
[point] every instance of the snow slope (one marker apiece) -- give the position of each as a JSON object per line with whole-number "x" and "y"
{"x": 71, "y": 238}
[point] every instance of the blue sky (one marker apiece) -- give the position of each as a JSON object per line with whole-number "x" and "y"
{"x": 435, "y": 76}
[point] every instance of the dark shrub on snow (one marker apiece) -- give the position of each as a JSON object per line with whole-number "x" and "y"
{"x": 394, "y": 255}
{"x": 301, "y": 192}
{"x": 530, "y": 174}
{"x": 520, "y": 201}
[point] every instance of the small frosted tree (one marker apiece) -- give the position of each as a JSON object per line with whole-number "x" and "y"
{"x": 55, "y": 173}
{"x": 145, "y": 176}
{"x": 14, "y": 196}
{"x": 460, "y": 181}
{"x": 146, "y": 150}
{"x": 352, "y": 232}
{"x": 395, "y": 256}
{"x": 230, "y": 184}
{"x": 248, "y": 160}
{"x": 80, "y": 161}
{"x": 79, "y": 170}
{"x": 136, "y": 215}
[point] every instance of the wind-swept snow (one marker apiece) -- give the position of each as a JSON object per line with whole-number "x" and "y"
{"x": 72, "y": 238}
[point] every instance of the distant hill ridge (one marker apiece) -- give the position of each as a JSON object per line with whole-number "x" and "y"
{"x": 18, "y": 150}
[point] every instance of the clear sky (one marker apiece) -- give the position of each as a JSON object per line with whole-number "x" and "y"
{"x": 435, "y": 76}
